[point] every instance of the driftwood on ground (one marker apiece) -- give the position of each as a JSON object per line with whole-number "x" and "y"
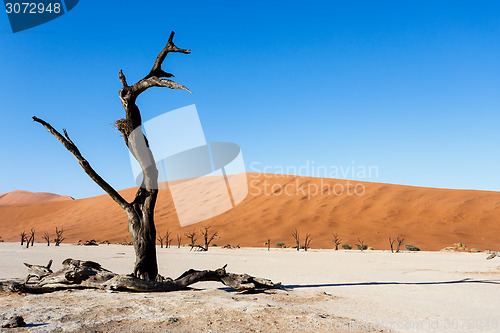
{"x": 80, "y": 274}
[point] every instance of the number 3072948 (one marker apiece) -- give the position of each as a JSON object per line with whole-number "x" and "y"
{"x": 32, "y": 8}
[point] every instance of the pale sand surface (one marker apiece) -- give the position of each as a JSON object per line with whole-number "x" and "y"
{"x": 431, "y": 291}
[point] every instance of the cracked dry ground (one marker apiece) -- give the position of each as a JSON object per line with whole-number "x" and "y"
{"x": 206, "y": 310}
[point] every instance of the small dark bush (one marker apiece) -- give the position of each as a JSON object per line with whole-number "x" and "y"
{"x": 346, "y": 247}
{"x": 361, "y": 247}
{"x": 280, "y": 244}
{"x": 411, "y": 247}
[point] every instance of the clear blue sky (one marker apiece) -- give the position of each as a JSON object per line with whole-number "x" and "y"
{"x": 412, "y": 87}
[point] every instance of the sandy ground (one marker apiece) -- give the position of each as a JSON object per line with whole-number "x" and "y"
{"x": 326, "y": 290}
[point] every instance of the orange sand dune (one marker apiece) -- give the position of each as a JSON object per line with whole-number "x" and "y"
{"x": 276, "y": 204}
{"x": 22, "y": 197}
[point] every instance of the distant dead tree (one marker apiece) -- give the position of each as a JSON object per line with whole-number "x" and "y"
{"x": 307, "y": 241}
{"x": 161, "y": 239}
{"x": 192, "y": 239}
{"x": 23, "y": 237}
{"x": 167, "y": 238}
{"x": 59, "y": 238}
{"x": 391, "y": 242}
{"x": 361, "y": 246}
{"x": 295, "y": 235}
{"x": 336, "y": 241}
{"x": 400, "y": 242}
{"x": 269, "y": 244}
{"x": 46, "y": 236}
{"x": 179, "y": 239}
{"x": 207, "y": 237}
{"x": 31, "y": 239}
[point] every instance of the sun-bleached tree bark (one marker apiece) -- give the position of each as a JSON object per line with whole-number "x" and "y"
{"x": 81, "y": 274}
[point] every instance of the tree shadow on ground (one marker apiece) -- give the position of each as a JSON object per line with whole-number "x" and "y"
{"x": 349, "y": 284}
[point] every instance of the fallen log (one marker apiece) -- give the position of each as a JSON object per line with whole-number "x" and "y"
{"x": 80, "y": 274}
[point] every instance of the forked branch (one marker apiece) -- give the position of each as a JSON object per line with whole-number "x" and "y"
{"x": 71, "y": 147}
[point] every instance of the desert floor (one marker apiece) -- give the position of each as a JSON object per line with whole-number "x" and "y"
{"x": 326, "y": 290}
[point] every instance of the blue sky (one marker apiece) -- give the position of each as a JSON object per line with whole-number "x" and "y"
{"x": 411, "y": 87}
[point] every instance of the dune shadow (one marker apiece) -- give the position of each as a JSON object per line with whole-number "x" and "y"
{"x": 349, "y": 284}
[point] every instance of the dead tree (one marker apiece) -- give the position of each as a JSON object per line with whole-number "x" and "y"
{"x": 361, "y": 246}
{"x": 192, "y": 239}
{"x": 307, "y": 242}
{"x": 400, "y": 242}
{"x": 23, "y": 237}
{"x": 207, "y": 237}
{"x": 391, "y": 242}
{"x": 59, "y": 238}
{"x": 140, "y": 212}
{"x": 179, "y": 239}
{"x": 336, "y": 241}
{"x": 32, "y": 236}
{"x": 295, "y": 235}
{"x": 167, "y": 238}
{"x": 161, "y": 239}
{"x": 31, "y": 239}
{"x": 269, "y": 244}
{"x": 46, "y": 237}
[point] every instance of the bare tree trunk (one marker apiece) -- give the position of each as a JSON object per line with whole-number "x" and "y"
{"x": 400, "y": 241}
{"x": 295, "y": 235}
{"x": 59, "y": 238}
{"x": 32, "y": 236}
{"x": 336, "y": 240}
{"x": 140, "y": 212}
{"x": 391, "y": 242}
{"x": 307, "y": 242}
{"x": 46, "y": 236}
{"x": 179, "y": 239}
{"x": 207, "y": 239}
{"x": 192, "y": 238}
